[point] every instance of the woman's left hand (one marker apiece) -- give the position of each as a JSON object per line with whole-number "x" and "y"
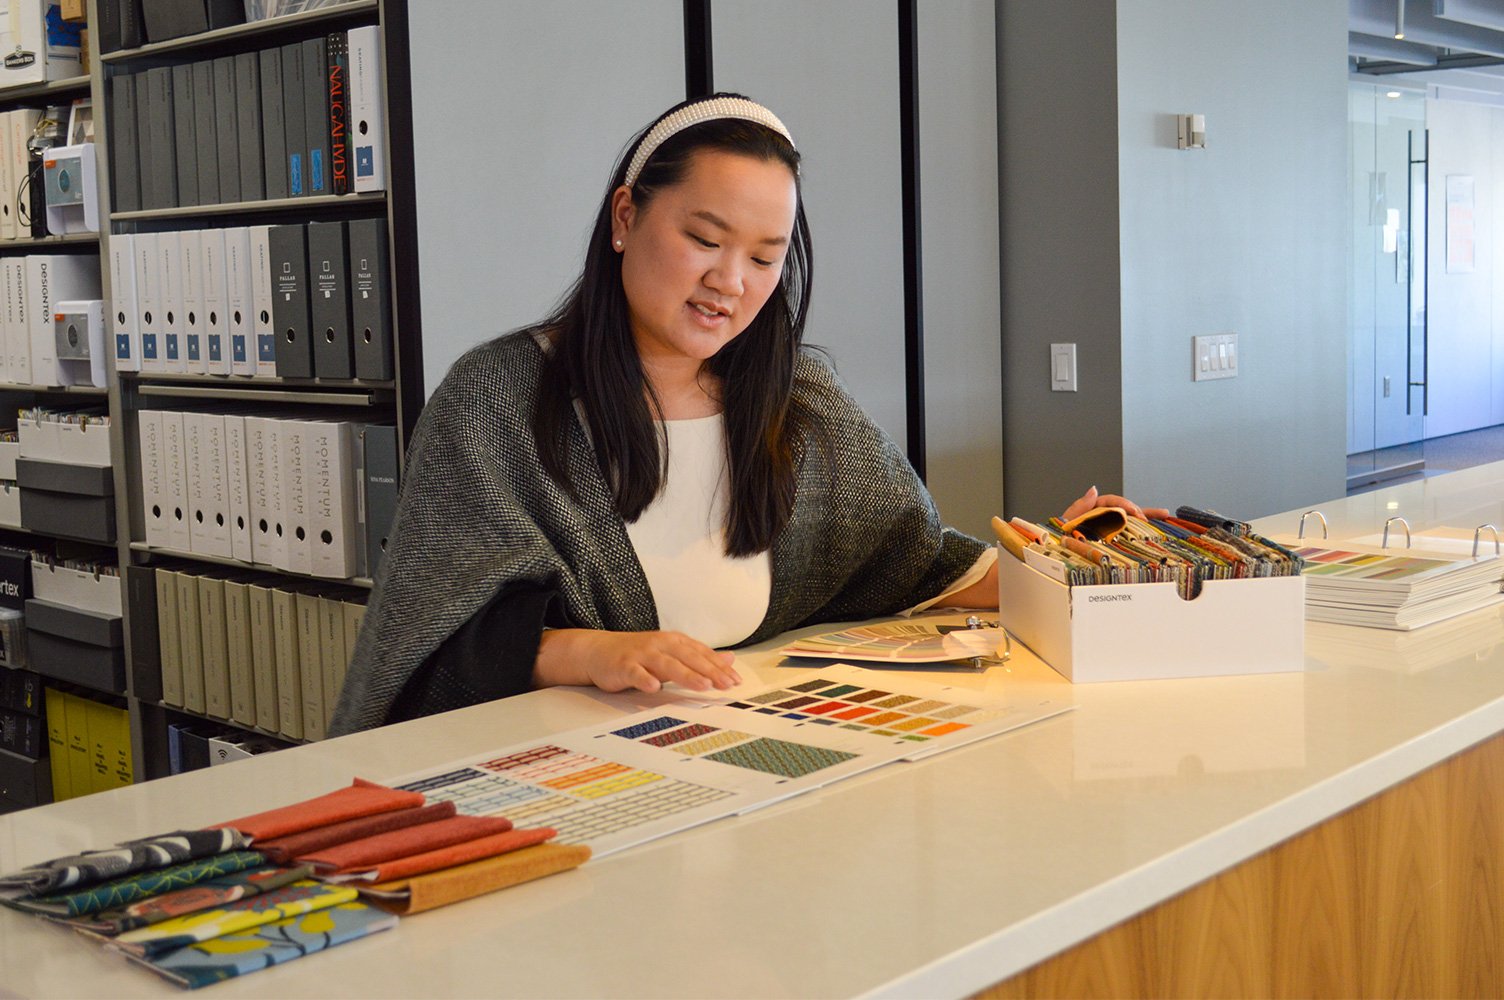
{"x": 1094, "y": 499}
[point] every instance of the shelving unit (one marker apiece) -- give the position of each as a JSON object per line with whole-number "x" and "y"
{"x": 393, "y": 401}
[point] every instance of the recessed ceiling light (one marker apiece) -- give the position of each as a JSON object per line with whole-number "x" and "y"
{"x": 1392, "y": 93}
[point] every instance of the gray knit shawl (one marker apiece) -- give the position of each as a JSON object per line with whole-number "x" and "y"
{"x": 477, "y": 511}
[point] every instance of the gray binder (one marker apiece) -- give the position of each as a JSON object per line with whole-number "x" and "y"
{"x": 162, "y": 179}
{"x": 293, "y": 125}
{"x": 224, "y": 117}
{"x": 248, "y": 124}
{"x": 379, "y": 444}
{"x": 273, "y": 129}
{"x": 370, "y": 300}
{"x": 126, "y": 174}
{"x": 329, "y": 300}
{"x": 207, "y": 133}
{"x": 316, "y": 115}
{"x": 183, "y": 134}
{"x": 289, "y": 258}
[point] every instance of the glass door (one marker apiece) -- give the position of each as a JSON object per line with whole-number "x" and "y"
{"x": 1387, "y": 399}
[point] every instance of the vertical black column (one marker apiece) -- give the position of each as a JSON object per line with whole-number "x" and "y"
{"x": 402, "y": 215}
{"x": 698, "y": 75}
{"x": 913, "y": 285}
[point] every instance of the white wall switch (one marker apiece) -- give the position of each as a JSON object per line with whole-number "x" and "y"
{"x": 1215, "y": 356}
{"x": 1063, "y": 367}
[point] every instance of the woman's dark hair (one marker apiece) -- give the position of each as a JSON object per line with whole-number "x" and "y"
{"x": 595, "y": 360}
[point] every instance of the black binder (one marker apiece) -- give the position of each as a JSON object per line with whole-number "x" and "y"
{"x": 289, "y": 259}
{"x": 248, "y": 124}
{"x": 146, "y": 155}
{"x": 184, "y": 131}
{"x": 163, "y": 178}
{"x": 329, "y": 305}
{"x": 223, "y": 13}
{"x": 338, "y": 57}
{"x": 207, "y": 133}
{"x": 370, "y": 300}
{"x": 316, "y": 112}
{"x": 126, "y": 172}
{"x": 379, "y": 443}
{"x": 166, "y": 19}
{"x": 229, "y": 141}
{"x": 293, "y": 120}
{"x": 273, "y": 129}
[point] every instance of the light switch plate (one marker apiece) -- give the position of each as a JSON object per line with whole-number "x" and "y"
{"x": 1063, "y": 367}
{"x": 1215, "y": 356}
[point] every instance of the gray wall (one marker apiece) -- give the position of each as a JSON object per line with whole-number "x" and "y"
{"x": 829, "y": 70}
{"x": 1248, "y": 236}
{"x": 1058, "y": 161}
{"x": 1119, "y": 242}
{"x": 958, "y": 179}
{"x": 577, "y": 79}
{"x": 517, "y": 120}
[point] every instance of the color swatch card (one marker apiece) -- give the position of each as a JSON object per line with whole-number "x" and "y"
{"x": 617, "y": 784}
{"x": 899, "y": 643}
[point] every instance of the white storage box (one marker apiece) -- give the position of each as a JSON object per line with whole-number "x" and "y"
{"x": 1145, "y": 630}
{"x": 75, "y": 444}
{"x": 77, "y": 588}
{"x": 10, "y": 504}
{"x": 9, "y": 452}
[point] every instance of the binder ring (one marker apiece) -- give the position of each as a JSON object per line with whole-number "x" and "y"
{"x": 1301, "y": 532}
{"x": 1385, "y": 542}
{"x": 1477, "y": 534}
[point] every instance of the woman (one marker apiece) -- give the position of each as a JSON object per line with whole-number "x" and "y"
{"x": 658, "y": 469}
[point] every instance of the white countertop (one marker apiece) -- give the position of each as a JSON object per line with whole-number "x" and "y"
{"x": 934, "y": 878}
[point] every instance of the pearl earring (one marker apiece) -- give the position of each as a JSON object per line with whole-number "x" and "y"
{"x": 618, "y": 244}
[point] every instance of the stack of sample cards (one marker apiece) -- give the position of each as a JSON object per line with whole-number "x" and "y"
{"x": 1396, "y": 588}
{"x": 620, "y": 783}
{"x": 901, "y": 643}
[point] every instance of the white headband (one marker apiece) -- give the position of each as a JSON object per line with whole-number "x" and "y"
{"x": 694, "y": 114}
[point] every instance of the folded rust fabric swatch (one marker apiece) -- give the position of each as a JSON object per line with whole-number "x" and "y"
{"x": 456, "y": 854}
{"x": 424, "y": 892}
{"x": 363, "y": 798}
{"x": 384, "y": 847}
{"x": 280, "y": 850}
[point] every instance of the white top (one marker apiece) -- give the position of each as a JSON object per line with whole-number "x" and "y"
{"x": 681, "y": 543}
{"x": 931, "y": 879}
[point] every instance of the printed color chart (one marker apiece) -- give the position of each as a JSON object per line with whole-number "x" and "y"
{"x": 654, "y": 772}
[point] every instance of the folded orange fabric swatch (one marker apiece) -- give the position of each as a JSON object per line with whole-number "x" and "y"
{"x": 384, "y": 847}
{"x": 424, "y": 892}
{"x": 363, "y": 798}
{"x": 281, "y": 850}
{"x": 459, "y": 854}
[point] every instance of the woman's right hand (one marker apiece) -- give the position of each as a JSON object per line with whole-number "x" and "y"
{"x": 617, "y": 661}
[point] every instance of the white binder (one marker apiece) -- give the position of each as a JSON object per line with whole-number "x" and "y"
{"x": 329, "y": 464}
{"x": 264, "y": 479}
{"x": 175, "y": 461}
{"x": 367, "y": 131}
{"x": 261, "y": 292}
{"x": 8, "y": 181}
{"x": 17, "y": 341}
{"x": 124, "y": 320}
{"x": 149, "y": 301}
{"x": 155, "y": 496}
{"x": 170, "y": 276}
{"x": 191, "y": 315}
{"x": 213, "y": 319}
{"x": 240, "y": 302}
{"x": 237, "y": 489}
{"x": 295, "y": 442}
{"x": 209, "y": 522}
